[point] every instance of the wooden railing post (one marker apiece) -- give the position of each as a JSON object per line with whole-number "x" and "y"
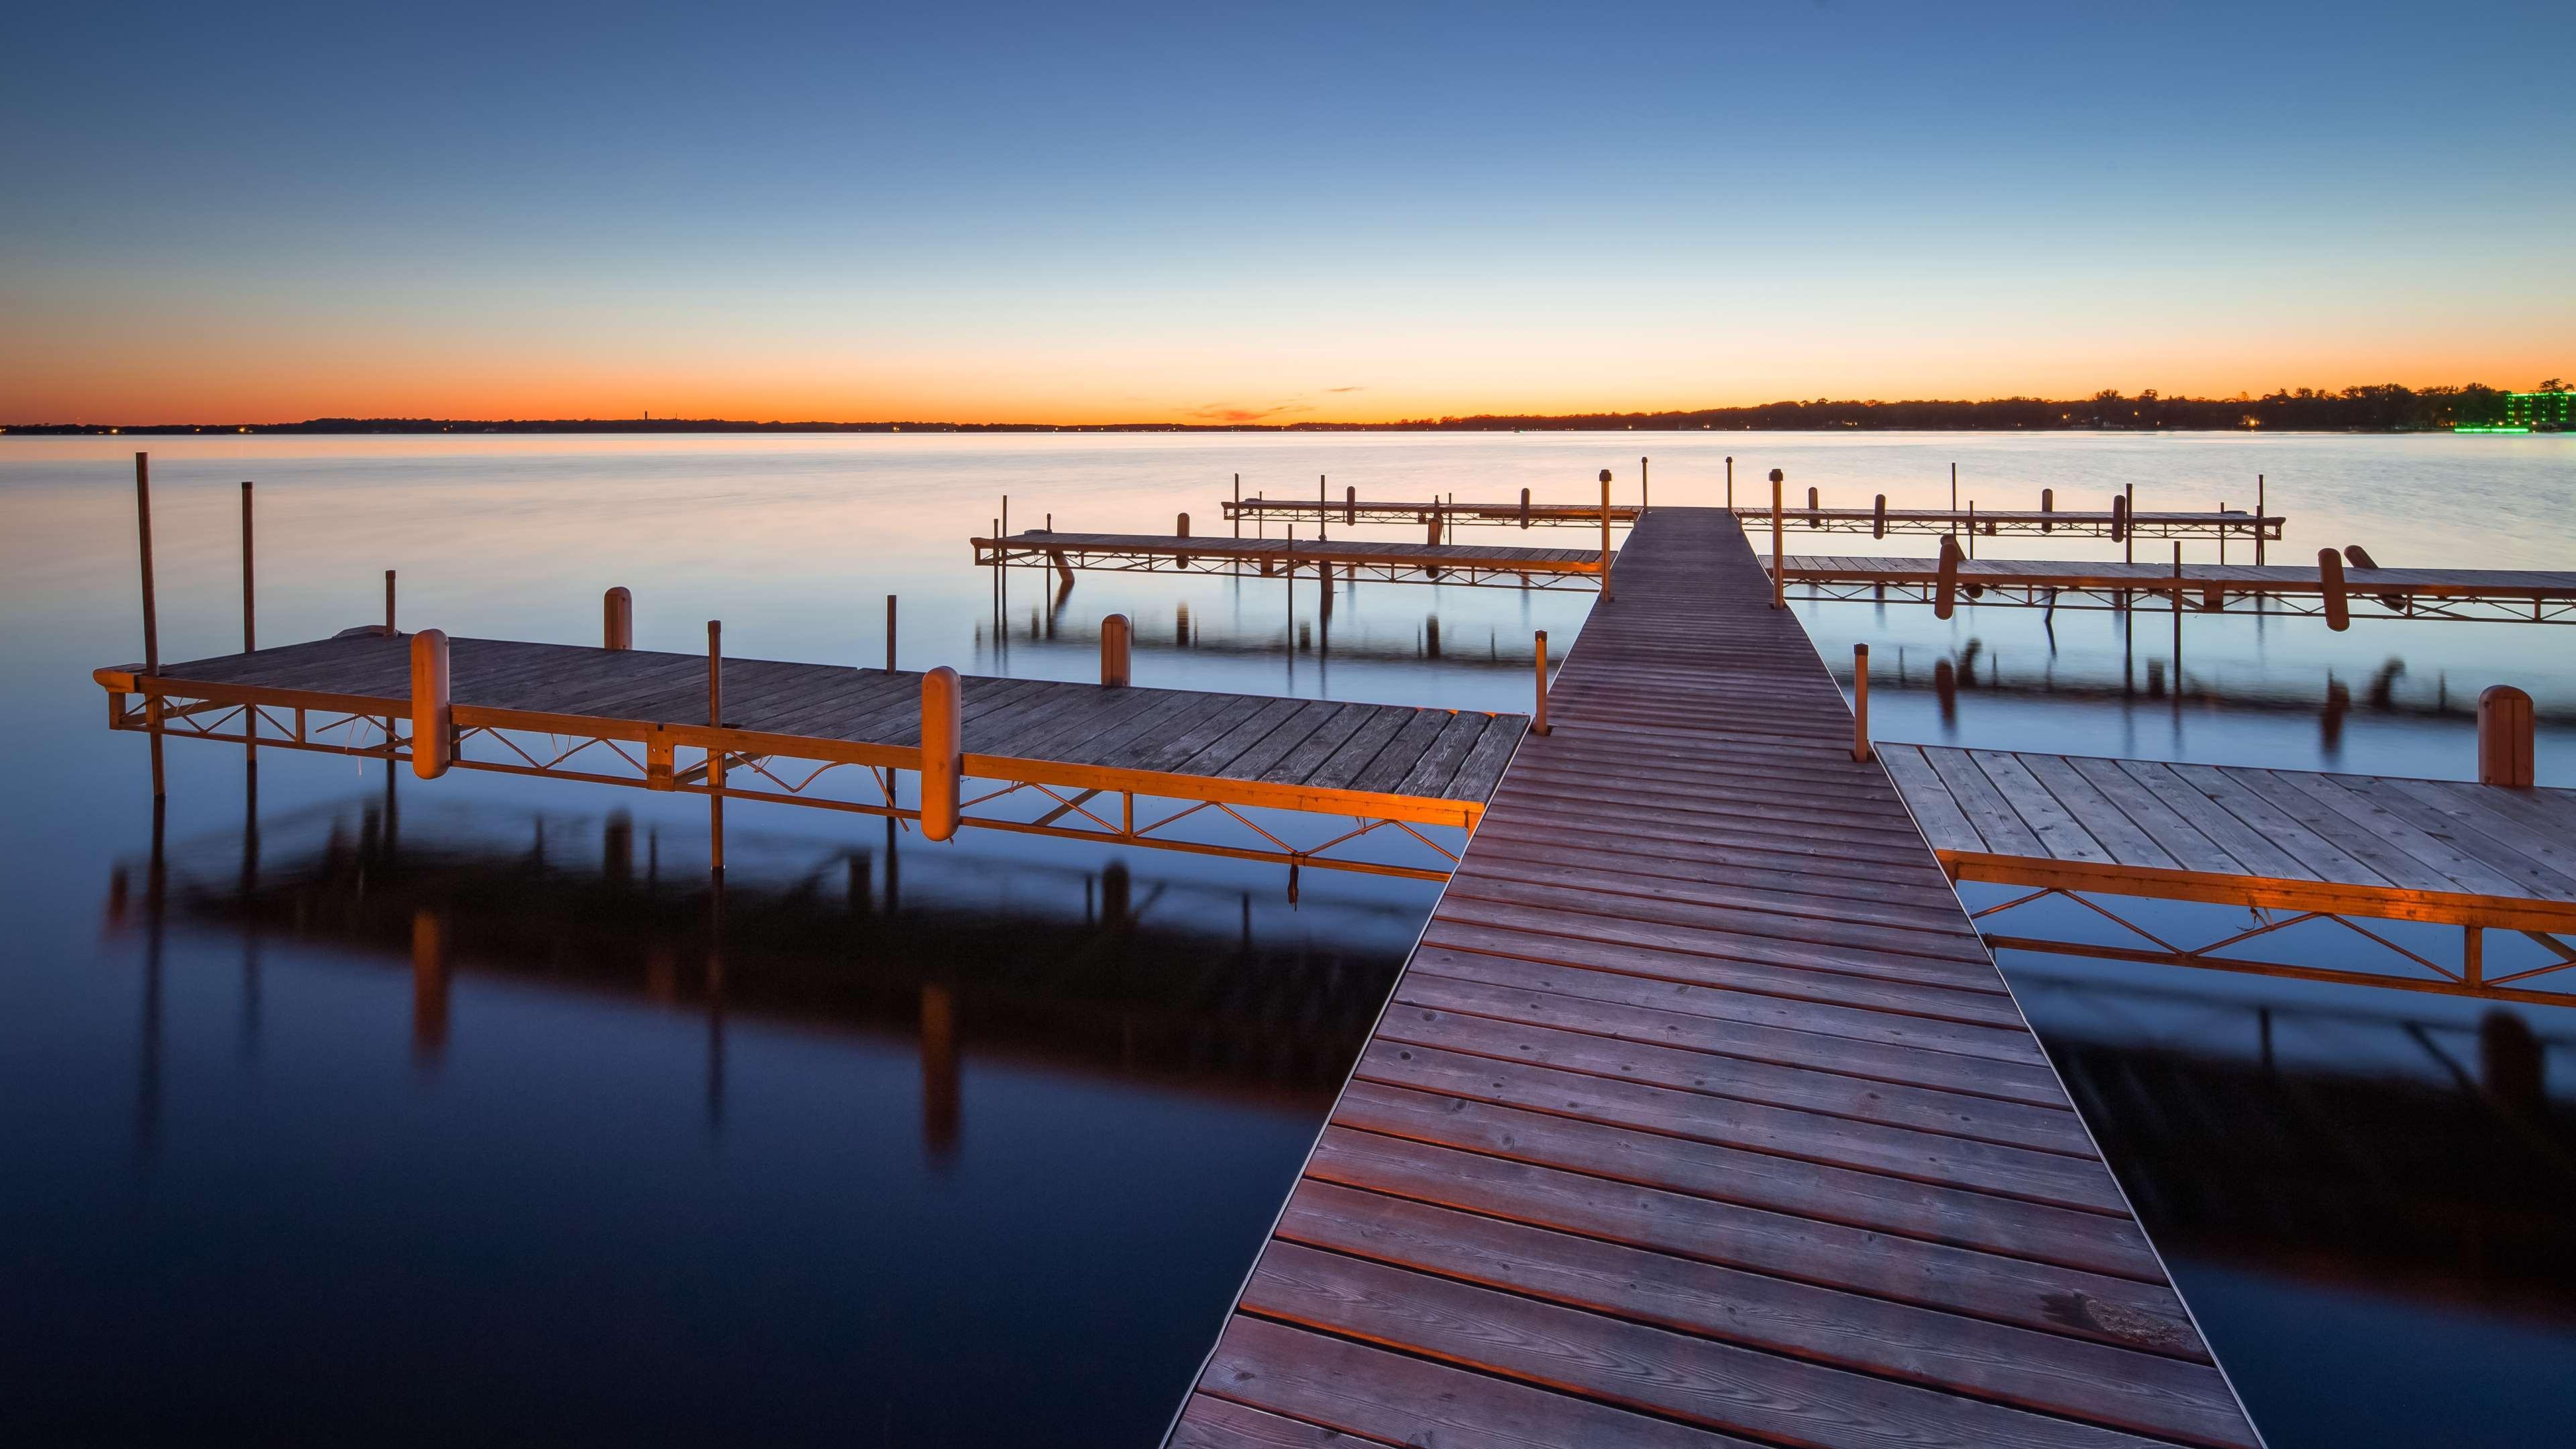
{"x": 1878, "y": 517}
{"x": 1812, "y": 508}
{"x": 2047, "y": 504}
{"x": 2330, "y": 575}
{"x": 1115, "y": 642}
{"x": 1238, "y": 505}
{"x": 2261, "y": 529}
{"x": 1181, "y": 525}
{"x": 1524, "y": 508}
{"x": 1779, "y": 554}
{"x": 2119, "y": 518}
{"x": 2505, "y": 754}
{"x": 433, "y": 718}
{"x": 943, "y": 762}
{"x": 889, "y": 633}
{"x": 617, "y": 619}
{"x": 389, "y": 603}
{"x": 1645, "y": 494}
{"x": 1605, "y": 535}
{"x": 1350, "y": 503}
{"x": 1860, "y": 702}
{"x": 715, "y": 749}
{"x": 1945, "y": 594}
{"x": 250, "y": 618}
{"x": 1730, "y": 483}
{"x": 151, "y": 617}
{"x": 1538, "y": 713}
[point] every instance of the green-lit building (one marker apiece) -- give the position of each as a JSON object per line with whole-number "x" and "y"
{"x": 2556, "y": 410}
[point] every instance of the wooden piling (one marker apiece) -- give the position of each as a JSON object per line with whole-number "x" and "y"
{"x": 151, "y": 617}
{"x": 1954, "y": 488}
{"x": 389, "y": 603}
{"x": 250, "y": 620}
{"x": 1643, "y": 492}
{"x": 1238, "y": 505}
{"x": 1972, "y": 528}
{"x": 1181, "y": 526}
{"x": 1779, "y": 554}
{"x": 1116, "y": 635}
{"x": 889, "y": 633}
{"x": 1538, "y": 711}
{"x": 433, "y": 716}
{"x": 2119, "y": 518}
{"x": 1730, "y": 484}
{"x": 715, "y": 756}
{"x": 1605, "y": 535}
{"x": 2330, "y": 575}
{"x": 1812, "y": 521}
{"x": 1878, "y": 517}
{"x": 1860, "y": 702}
{"x": 2505, "y": 755}
{"x": 1945, "y": 596}
{"x": 943, "y": 761}
{"x": 1350, "y": 504}
{"x": 2128, "y": 513}
{"x": 617, "y": 619}
{"x": 2048, "y": 504}
{"x": 1524, "y": 508}
{"x": 2260, "y": 527}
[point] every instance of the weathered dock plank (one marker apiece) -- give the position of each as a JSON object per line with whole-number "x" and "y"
{"x": 1699, "y": 1116}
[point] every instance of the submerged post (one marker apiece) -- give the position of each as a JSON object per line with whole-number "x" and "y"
{"x": 2505, "y": 755}
{"x": 1945, "y": 593}
{"x": 715, "y": 750}
{"x": 1115, "y": 641}
{"x": 889, "y": 633}
{"x": 1860, "y": 702}
{"x": 617, "y": 619}
{"x": 1538, "y": 713}
{"x": 1605, "y": 535}
{"x": 2330, "y": 576}
{"x": 151, "y": 616}
{"x": 943, "y": 760}
{"x": 1779, "y": 557}
{"x": 433, "y": 718}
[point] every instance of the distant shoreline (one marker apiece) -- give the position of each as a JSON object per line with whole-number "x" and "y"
{"x": 2386, "y": 408}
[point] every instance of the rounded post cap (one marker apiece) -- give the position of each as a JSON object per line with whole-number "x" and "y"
{"x": 1777, "y": 475}
{"x": 1605, "y": 475}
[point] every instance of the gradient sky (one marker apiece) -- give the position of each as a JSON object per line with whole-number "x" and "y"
{"x": 1191, "y": 212}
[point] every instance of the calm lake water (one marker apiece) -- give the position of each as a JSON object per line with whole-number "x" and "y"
{"x": 388, "y": 1109}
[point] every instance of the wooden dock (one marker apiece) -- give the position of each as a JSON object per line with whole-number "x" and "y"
{"x": 1701, "y": 1115}
{"x": 2524, "y": 596}
{"x": 1985, "y": 523}
{"x": 1061, "y": 758}
{"x": 1475, "y": 565}
{"x": 2340, "y": 848}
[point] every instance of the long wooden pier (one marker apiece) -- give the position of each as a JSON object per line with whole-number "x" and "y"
{"x": 1476, "y": 565}
{"x": 1701, "y": 1114}
{"x": 1058, "y": 758}
{"x": 1986, "y": 523}
{"x": 2300, "y": 845}
{"x": 2524, "y": 596}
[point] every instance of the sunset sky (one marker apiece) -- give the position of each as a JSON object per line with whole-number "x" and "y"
{"x": 1215, "y": 213}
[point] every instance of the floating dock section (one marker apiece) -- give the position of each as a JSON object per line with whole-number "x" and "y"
{"x": 1700, "y": 1114}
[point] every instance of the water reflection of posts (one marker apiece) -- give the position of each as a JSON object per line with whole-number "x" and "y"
{"x": 429, "y": 972}
{"x": 2511, "y": 1063}
{"x": 1945, "y": 688}
{"x": 939, "y": 1085}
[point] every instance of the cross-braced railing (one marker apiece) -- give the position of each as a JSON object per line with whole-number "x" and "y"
{"x": 2198, "y": 598}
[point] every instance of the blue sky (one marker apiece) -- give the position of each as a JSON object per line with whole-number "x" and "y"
{"x": 1046, "y": 212}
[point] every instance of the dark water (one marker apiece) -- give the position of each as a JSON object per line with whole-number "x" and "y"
{"x": 383, "y": 1109}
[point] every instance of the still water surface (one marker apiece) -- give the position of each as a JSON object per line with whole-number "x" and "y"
{"x": 393, "y": 1109}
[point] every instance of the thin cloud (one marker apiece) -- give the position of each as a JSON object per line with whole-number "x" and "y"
{"x": 1227, "y": 413}
{"x": 1346, "y": 389}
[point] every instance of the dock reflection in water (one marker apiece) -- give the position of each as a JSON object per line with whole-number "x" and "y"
{"x": 940, "y": 1139}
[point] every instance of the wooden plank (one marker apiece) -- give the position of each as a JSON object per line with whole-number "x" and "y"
{"x": 2237, "y": 841}
{"x": 1943, "y": 823}
{"x": 1985, "y": 807}
{"x": 2060, "y": 833}
{"x": 2076, "y": 1379}
{"x": 2324, "y": 859}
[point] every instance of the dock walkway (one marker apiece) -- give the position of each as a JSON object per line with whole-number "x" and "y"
{"x": 2511, "y": 596}
{"x": 1700, "y": 1114}
{"x": 2316, "y": 846}
{"x": 1050, "y": 745}
{"x": 1377, "y": 562}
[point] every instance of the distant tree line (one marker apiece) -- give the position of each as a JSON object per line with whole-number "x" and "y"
{"x": 2379, "y": 408}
